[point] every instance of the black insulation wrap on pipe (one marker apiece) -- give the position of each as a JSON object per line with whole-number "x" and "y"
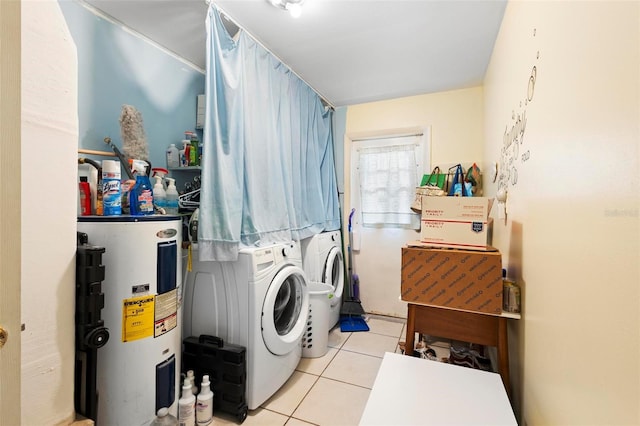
{"x": 91, "y": 162}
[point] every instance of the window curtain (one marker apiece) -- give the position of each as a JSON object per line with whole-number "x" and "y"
{"x": 265, "y": 138}
{"x": 387, "y": 185}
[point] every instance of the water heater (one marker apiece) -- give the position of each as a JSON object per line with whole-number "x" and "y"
{"x": 138, "y": 370}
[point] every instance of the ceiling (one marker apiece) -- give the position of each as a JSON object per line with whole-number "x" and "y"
{"x": 349, "y": 51}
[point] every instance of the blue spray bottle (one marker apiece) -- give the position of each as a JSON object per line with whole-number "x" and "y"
{"x": 141, "y": 195}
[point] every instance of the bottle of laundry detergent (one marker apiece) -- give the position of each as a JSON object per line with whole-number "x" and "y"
{"x": 173, "y": 157}
{"x": 204, "y": 403}
{"x": 141, "y": 195}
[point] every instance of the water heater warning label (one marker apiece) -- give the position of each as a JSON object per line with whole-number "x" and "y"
{"x": 137, "y": 318}
{"x": 166, "y": 312}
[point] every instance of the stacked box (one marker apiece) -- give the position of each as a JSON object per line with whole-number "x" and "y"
{"x": 456, "y": 222}
{"x": 451, "y": 278}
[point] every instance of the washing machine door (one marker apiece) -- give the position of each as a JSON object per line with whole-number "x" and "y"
{"x": 333, "y": 272}
{"x": 285, "y": 310}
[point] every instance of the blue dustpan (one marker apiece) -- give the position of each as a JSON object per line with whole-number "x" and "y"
{"x": 350, "y": 323}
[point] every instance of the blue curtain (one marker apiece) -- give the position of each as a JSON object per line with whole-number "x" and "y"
{"x": 267, "y": 173}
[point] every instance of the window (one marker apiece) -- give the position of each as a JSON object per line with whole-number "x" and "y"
{"x": 386, "y": 171}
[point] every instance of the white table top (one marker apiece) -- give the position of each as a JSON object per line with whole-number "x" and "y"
{"x": 415, "y": 391}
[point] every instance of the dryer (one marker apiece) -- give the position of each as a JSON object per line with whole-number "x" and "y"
{"x": 323, "y": 261}
{"x": 261, "y": 302}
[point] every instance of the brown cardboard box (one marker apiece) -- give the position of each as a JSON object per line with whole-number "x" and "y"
{"x": 456, "y": 222}
{"x": 452, "y": 278}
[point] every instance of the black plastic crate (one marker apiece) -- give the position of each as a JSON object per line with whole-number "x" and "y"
{"x": 226, "y": 366}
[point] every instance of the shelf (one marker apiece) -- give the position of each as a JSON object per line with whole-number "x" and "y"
{"x": 186, "y": 169}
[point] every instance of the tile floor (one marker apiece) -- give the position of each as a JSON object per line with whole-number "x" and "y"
{"x": 333, "y": 389}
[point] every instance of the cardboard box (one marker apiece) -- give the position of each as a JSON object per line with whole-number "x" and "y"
{"x": 458, "y": 279}
{"x": 456, "y": 222}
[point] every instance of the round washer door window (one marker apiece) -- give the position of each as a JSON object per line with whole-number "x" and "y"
{"x": 333, "y": 271}
{"x": 285, "y": 310}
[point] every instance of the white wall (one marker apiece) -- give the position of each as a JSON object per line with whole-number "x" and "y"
{"x": 572, "y": 235}
{"x": 455, "y": 119}
{"x": 49, "y": 152}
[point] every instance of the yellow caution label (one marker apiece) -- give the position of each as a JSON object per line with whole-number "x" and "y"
{"x": 137, "y": 318}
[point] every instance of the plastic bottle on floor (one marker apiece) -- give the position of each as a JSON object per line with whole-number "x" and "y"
{"x": 186, "y": 405}
{"x": 204, "y": 404}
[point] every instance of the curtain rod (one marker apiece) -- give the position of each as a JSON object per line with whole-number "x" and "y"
{"x": 240, "y": 27}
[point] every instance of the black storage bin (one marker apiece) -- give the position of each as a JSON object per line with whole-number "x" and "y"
{"x": 226, "y": 366}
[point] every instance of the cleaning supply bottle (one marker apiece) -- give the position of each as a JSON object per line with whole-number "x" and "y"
{"x": 192, "y": 378}
{"x": 172, "y": 205}
{"x": 159, "y": 194}
{"x": 204, "y": 403}
{"x": 173, "y": 157}
{"x": 141, "y": 195}
{"x": 164, "y": 418}
{"x": 184, "y": 153}
{"x": 99, "y": 205}
{"x": 186, "y": 405}
{"x": 194, "y": 151}
{"x": 111, "y": 195}
{"x": 85, "y": 196}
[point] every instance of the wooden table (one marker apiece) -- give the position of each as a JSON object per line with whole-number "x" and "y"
{"x": 414, "y": 391}
{"x": 472, "y": 327}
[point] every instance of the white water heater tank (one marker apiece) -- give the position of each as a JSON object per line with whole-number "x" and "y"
{"x": 138, "y": 370}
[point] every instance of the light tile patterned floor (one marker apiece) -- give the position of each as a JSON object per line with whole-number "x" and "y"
{"x": 331, "y": 390}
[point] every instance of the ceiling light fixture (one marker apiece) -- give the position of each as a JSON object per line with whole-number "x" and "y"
{"x": 293, "y": 6}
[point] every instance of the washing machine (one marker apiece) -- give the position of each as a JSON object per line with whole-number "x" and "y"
{"x": 261, "y": 302}
{"x": 323, "y": 262}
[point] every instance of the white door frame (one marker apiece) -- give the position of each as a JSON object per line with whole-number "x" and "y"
{"x": 10, "y": 213}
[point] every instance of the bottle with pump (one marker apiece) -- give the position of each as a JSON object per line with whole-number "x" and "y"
{"x": 172, "y": 205}
{"x": 164, "y": 418}
{"x": 159, "y": 194}
{"x": 141, "y": 195}
{"x": 204, "y": 403}
{"x": 186, "y": 405}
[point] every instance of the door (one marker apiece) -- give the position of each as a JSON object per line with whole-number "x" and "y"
{"x": 285, "y": 310}
{"x": 10, "y": 246}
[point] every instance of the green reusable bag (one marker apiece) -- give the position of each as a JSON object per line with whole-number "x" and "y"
{"x": 435, "y": 178}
